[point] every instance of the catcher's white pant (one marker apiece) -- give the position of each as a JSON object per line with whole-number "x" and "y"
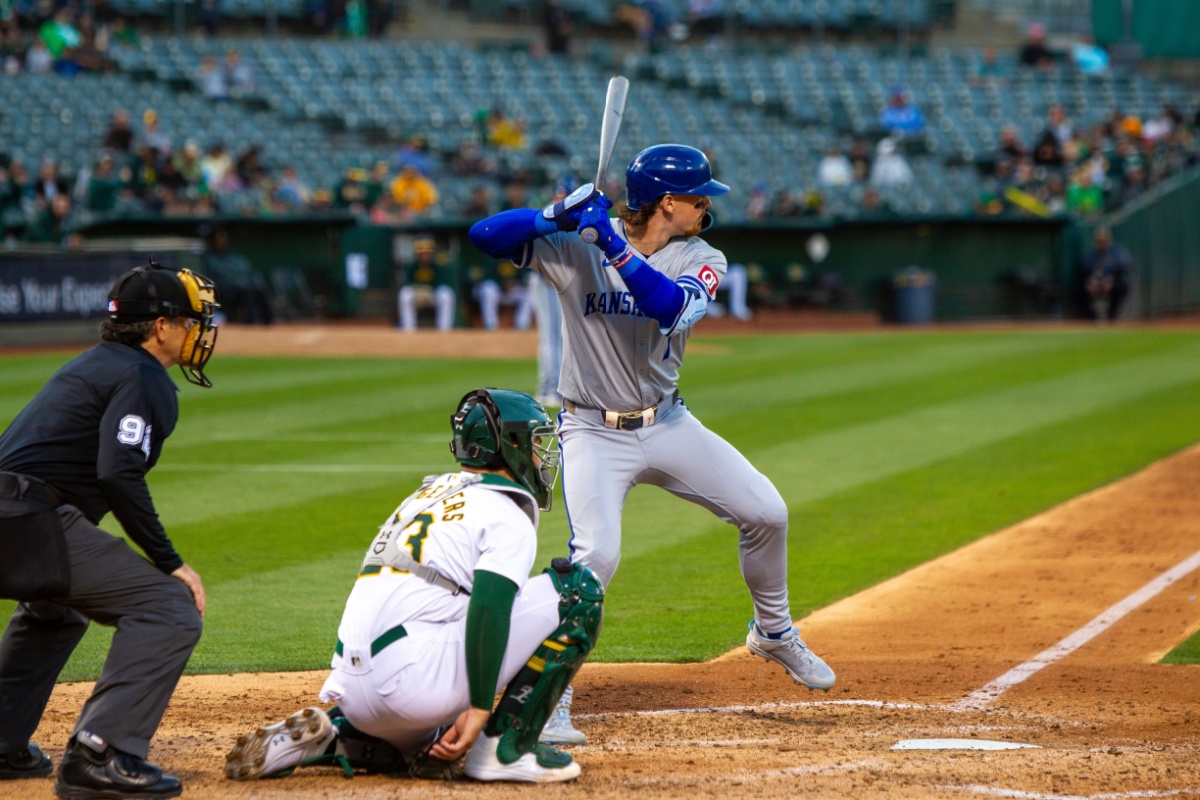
{"x": 600, "y": 465}
{"x": 442, "y": 298}
{"x": 419, "y": 683}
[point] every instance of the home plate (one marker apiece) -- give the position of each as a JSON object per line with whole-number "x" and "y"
{"x": 959, "y": 744}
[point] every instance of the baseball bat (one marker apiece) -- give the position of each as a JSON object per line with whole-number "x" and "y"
{"x": 610, "y": 129}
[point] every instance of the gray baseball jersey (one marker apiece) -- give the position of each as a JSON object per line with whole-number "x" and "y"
{"x": 617, "y": 359}
{"x": 613, "y": 356}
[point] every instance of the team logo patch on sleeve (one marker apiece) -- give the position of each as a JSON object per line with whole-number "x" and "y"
{"x": 708, "y": 276}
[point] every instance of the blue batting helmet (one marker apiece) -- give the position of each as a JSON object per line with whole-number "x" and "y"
{"x": 669, "y": 169}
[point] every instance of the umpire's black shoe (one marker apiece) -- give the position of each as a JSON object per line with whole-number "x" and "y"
{"x": 25, "y": 762}
{"x": 93, "y": 770}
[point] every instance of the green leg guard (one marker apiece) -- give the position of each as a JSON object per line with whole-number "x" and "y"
{"x": 530, "y": 698}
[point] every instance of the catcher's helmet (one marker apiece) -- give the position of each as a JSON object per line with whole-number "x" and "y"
{"x": 502, "y": 429}
{"x": 146, "y": 293}
{"x": 669, "y": 169}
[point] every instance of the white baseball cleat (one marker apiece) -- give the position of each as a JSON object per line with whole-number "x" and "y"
{"x": 276, "y": 750}
{"x": 559, "y": 729}
{"x": 544, "y": 765}
{"x": 801, "y": 663}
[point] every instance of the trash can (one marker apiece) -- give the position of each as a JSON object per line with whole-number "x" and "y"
{"x": 914, "y": 296}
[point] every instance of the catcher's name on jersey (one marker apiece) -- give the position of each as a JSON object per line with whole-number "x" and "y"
{"x": 454, "y": 524}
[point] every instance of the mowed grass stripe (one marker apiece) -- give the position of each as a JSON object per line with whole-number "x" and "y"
{"x": 678, "y": 594}
{"x": 808, "y": 468}
{"x": 686, "y": 603}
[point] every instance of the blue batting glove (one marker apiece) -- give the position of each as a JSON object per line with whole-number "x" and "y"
{"x": 566, "y": 212}
{"x": 596, "y": 228}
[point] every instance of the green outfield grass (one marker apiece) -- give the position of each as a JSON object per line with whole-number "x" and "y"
{"x": 890, "y": 449}
{"x": 1186, "y": 653}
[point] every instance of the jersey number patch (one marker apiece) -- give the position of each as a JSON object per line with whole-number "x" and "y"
{"x": 133, "y": 430}
{"x": 708, "y": 276}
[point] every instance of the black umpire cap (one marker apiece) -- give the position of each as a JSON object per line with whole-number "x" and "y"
{"x": 150, "y": 292}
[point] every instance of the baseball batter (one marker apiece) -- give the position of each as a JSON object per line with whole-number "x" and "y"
{"x": 629, "y": 303}
{"x": 444, "y": 613}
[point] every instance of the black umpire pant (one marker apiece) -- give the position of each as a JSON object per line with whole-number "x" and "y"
{"x": 157, "y": 627}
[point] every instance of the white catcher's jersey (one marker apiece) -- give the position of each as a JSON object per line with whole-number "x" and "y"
{"x": 489, "y": 524}
{"x": 613, "y": 356}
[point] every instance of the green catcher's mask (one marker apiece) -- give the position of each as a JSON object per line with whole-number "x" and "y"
{"x": 498, "y": 429}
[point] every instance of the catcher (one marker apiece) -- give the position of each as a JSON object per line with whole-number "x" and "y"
{"x": 444, "y": 615}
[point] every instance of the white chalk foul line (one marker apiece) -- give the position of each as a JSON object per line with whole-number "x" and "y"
{"x": 996, "y": 791}
{"x": 980, "y": 698}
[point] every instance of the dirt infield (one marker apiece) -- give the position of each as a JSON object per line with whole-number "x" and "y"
{"x": 913, "y": 657}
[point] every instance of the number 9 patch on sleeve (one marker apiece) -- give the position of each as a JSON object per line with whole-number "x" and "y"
{"x": 134, "y": 431}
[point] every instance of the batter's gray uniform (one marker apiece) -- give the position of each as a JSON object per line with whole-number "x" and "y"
{"x": 616, "y": 361}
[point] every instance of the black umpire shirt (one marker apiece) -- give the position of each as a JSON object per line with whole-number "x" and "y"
{"x": 93, "y": 432}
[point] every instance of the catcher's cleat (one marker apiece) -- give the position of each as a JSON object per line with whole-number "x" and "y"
{"x": 801, "y": 663}
{"x": 25, "y": 762}
{"x": 544, "y": 765}
{"x": 558, "y": 729}
{"x": 276, "y": 750}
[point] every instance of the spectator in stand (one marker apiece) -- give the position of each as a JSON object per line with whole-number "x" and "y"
{"x": 1135, "y": 181}
{"x": 188, "y": 164}
{"x": 1089, "y": 57}
{"x": 210, "y": 16}
{"x": 12, "y": 51}
{"x": 38, "y": 60}
{"x": 514, "y": 196}
{"x": 211, "y": 79}
{"x": 59, "y": 34}
{"x": 18, "y": 191}
{"x": 707, "y": 18}
{"x": 759, "y": 204}
{"x": 49, "y": 183}
{"x": 250, "y": 171}
{"x": 890, "y": 167}
{"x": 873, "y": 203}
{"x": 504, "y": 132}
{"x": 351, "y": 192}
{"x": 1034, "y": 52}
{"x": 413, "y": 193}
{"x": 860, "y": 159}
{"x": 217, "y": 168}
{"x": 291, "y": 191}
{"x": 1010, "y": 143}
{"x": 103, "y": 186}
{"x": 377, "y": 183}
{"x": 153, "y": 135}
{"x": 471, "y": 161}
{"x": 414, "y": 151}
{"x": 480, "y": 203}
{"x": 1053, "y": 194}
{"x": 649, "y": 19}
{"x": 119, "y": 136}
{"x": 784, "y": 205}
{"x": 145, "y": 174}
{"x": 1107, "y": 276}
{"x": 988, "y": 71}
{"x": 1084, "y": 197}
{"x": 1059, "y": 124}
{"x": 901, "y": 115}
{"x": 1048, "y": 152}
{"x": 556, "y": 19}
{"x": 835, "y": 169}
{"x": 88, "y": 56}
{"x": 239, "y": 78}
{"x": 53, "y": 225}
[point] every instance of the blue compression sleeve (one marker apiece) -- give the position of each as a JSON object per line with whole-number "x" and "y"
{"x": 656, "y": 295}
{"x": 504, "y": 235}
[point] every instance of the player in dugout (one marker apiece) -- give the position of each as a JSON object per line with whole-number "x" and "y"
{"x": 629, "y": 303}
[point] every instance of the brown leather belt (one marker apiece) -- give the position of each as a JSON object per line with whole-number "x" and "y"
{"x": 622, "y": 420}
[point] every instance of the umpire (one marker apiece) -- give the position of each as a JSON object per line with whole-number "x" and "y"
{"x": 80, "y": 449}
